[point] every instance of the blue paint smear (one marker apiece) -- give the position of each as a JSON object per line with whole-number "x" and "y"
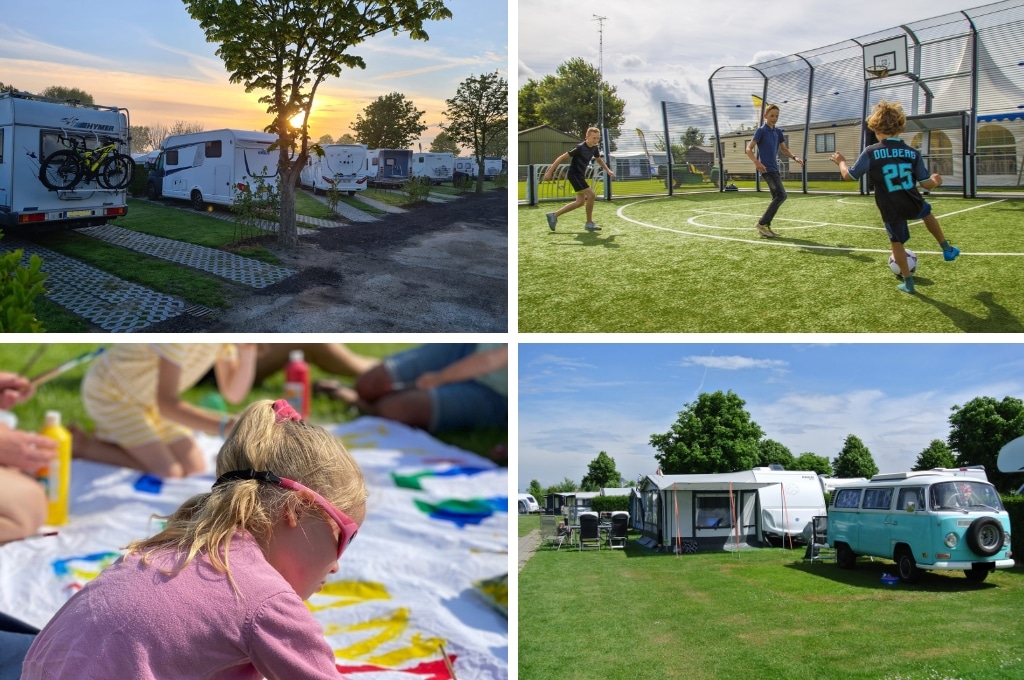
{"x": 149, "y": 484}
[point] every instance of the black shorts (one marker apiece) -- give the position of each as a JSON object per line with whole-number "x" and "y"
{"x": 578, "y": 183}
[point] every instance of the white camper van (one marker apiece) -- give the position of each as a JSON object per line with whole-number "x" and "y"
{"x": 465, "y": 167}
{"x": 31, "y": 130}
{"x": 208, "y": 167}
{"x": 388, "y": 166}
{"x": 493, "y": 166}
{"x": 342, "y": 166}
{"x": 438, "y": 167}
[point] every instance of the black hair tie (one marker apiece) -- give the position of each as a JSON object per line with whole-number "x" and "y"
{"x": 244, "y": 475}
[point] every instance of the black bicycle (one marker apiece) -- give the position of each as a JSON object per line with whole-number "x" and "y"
{"x": 65, "y": 169}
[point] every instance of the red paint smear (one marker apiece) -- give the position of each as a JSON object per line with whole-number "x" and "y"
{"x": 431, "y": 670}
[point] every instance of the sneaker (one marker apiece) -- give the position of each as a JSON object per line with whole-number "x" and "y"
{"x": 552, "y": 221}
{"x": 765, "y": 231}
{"x": 905, "y": 288}
{"x": 951, "y": 254}
{"x": 590, "y": 226}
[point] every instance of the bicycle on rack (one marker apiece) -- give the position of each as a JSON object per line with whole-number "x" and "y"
{"x": 63, "y": 170}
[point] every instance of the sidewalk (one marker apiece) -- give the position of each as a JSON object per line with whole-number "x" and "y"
{"x": 528, "y": 545}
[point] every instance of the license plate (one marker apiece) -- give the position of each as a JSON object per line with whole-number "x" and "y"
{"x": 78, "y": 213}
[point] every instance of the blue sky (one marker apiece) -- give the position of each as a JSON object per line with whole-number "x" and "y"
{"x": 576, "y": 400}
{"x": 152, "y": 58}
{"x": 665, "y": 50}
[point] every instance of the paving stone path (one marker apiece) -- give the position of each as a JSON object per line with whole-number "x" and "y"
{"x": 528, "y": 545}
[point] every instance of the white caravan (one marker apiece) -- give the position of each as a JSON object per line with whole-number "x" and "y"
{"x": 465, "y": 167}
{"x": 209, "y": 167}
{"x": 438, "y": 167}
{"x": 342, "y": 166}
{"x": 389, "y": 166}
{"x": 32, "y": 128}
{"x": 789, "y": 505}
{"x": 493, "y": 167}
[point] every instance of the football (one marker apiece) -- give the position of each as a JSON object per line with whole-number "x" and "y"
{"x": 911, "y": 262}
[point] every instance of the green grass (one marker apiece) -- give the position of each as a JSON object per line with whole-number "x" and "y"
{"x": 694, "y": 263}
{"x": 63, "y": 393}
{"x": 761, "y": 613}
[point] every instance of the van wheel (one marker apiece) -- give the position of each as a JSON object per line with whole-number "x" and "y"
{"x": 985, "y": 536}
{"x": 976, "y": 575}
{"x": 845, "y": 558}
{"x": 906, "y": 566}
{"x": 151, "y": 192}
{"x": 197, "y": 201}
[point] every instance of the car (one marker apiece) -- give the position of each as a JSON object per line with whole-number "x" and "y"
{"x": 528, "y": 504}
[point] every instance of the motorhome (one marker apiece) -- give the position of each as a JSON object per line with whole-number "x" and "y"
{"x": 493, "y": 166}
{"x": 31, "y": 129}
{"x": 934, "y": 520}
{"x": 437, "y": 167}
{"x": 343, "y": 167}
{"x": 210, "y": 167}
{"x": 388, "y": 165}
{"x": 465, "y": 167}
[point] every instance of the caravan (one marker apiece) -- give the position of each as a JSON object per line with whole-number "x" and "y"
{"x": 343, "y": 166}
{"x": 32, "y": 129}
{"x": 437, "y": 167}
{"x": 209, "y": 167}
{"x": 388, "y": 166}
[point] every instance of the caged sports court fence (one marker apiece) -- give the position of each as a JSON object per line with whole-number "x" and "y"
{"x": 959, "y": 78}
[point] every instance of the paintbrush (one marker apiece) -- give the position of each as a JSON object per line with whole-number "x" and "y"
{"x": 32, "y": 360}
{"x": 447, "y": 662}
{"x": 46, "y": 376}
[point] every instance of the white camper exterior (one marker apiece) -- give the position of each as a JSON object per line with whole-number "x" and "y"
{"x": 208, "y": 167}
{"x": 465, "y": 167}
{"x": 438, "y": 167}
{"x": 31, "y": 128}
{"x": 492, "y": 167}
{"x": 388, "y": 165}
{"x": 788, "y": 506}
{"x": 342, "y": 166}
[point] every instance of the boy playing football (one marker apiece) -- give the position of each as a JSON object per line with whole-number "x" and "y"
{"x": 581, "y": 156}
{"x": 896, "y": 168}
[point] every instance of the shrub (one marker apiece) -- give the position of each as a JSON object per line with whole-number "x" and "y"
{"x": 609, "y": 503}
{"x": 418, "y": 188}
{"x": 19, "y": 288}
{"x": 333, "y": 199}
{"x": 463, "y": 182}
{"x": 256, "y": 204}
{"x": 137, "y": 188}
{"x": 501, "y": 181}
{"x": 1015, "y": 508}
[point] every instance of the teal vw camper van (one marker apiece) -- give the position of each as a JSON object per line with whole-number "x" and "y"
{"x": 941, "y": 519}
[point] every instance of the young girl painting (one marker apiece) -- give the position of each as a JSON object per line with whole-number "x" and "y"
{"x": 219, "y": 593}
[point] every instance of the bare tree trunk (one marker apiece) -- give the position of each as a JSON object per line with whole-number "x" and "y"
{"x": 288, "y": 234}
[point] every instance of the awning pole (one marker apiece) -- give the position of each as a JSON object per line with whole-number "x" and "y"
{"x": 679, "y": 539}
{"x": 785, "y": 519}
{"x": 735, "y": 524}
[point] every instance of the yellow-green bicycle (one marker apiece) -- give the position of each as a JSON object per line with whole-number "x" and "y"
{"x": 65, "y": 169}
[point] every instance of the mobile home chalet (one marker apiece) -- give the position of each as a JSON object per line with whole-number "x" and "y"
{"x": 209, "y": 167}
{"x": 31, "y": 129}
{"x": 343, "y": 166}
{"x": 748, "y": 508}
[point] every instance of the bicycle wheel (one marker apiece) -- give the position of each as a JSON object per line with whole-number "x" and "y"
{"x": 117, "y": 171}
{"x": 61, "y": 170}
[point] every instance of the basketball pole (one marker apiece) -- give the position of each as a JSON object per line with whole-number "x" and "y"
{"x": 600, "y": 98}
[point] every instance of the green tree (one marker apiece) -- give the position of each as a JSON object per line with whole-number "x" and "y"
{"x": 601, "y": 473}
{"x": 444, "y": 143}
{"x": 691, "y": 138}
{"x": 391, "y": 122}
{"x": 713, "y": 434}
{"x": 980, "y": 428}
{"x": 854, "y": 460}
{"x": 7, "y": 88}
{"x": 936, "y": 455}
{"x": 565, "y": 486}
{"x": 771, "y": 451}
{"x": 325, "y": 140}
{"x": 536, "y": 490}
{"x": 287, "y": 49}
{"x": 346, "y": 138}
{"x": 569, "y": 99}
{"x": 529, "y": 102}
{"x": 61, "y": 92}
{"x": 141, "y": 139}
{"x": 477, "y": 114}
{"x": 814, "y": 463}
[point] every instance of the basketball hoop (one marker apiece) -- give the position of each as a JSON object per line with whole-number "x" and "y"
{"x": 877, "y": 72}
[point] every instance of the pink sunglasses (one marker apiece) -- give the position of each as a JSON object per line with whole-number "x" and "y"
{"x": 348, "y": 527}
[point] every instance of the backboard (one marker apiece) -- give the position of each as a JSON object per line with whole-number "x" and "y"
{"x": 889, "y": 54}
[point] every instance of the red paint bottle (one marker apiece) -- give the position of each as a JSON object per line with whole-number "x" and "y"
{"x": 296, "y": 382}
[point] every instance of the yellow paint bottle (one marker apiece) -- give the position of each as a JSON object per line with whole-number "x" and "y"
{"x": 56, "y": 477}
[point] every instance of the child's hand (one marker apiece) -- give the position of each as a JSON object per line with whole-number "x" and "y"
{"x": 611, "y": 174}
{"x": 837, "y": 158}
{"x": 760, "y": 166}
{"x": 937, "y": 178}
{"x": 13, "y": 390}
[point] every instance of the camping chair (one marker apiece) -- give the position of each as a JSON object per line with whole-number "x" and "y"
{"x": 620, "y": 525}
{"x": 818, "y": 549}
{"x": 589, "y": 533}
{"x": 549, "y": 531}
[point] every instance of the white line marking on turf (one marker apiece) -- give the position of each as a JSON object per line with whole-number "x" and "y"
{"x": 772, "y": 242}
{"x": 957, "y": 212}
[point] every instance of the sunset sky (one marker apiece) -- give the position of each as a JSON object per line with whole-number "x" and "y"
{"x": 152, "y": 58}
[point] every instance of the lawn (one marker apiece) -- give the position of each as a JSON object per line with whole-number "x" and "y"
{"x": 761, "y": 613}
{"x": 694, "y": 263}
{"x": 63, "y": 393}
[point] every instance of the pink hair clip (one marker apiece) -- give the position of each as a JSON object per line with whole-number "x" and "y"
{"x": 283, "y": 411}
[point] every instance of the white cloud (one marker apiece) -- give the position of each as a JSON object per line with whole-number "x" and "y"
{"x": 733, "y": 363}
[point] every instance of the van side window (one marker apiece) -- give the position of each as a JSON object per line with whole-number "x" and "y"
{"x": 915, "y": 496}
{"x": 877, "y": 499}
{"x": 848, "y": 498}
{"x": 213, "y": 149}
{"x": 171, "y": 157}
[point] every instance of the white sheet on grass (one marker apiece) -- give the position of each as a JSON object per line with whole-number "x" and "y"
{"x": 406, "y": 585}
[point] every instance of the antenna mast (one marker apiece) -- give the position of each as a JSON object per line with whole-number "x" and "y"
{"x": 600, "y": 69}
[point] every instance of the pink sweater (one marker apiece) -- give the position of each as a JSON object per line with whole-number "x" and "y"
{"x": 134, "y": 622}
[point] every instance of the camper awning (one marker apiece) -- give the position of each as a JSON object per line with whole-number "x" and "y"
{"x": 716, "y": 486}
{"x": 990, "y": 117}
{"x": 709, "y": 482}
